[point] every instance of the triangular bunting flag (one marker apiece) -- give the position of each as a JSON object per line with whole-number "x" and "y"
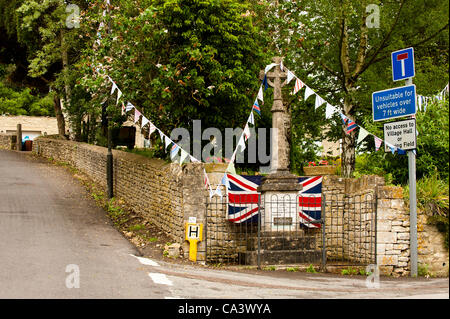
{"x": 161, "y": 135}
{"x": 129, "y": 107}
{"x": 251, "y": 119}
{"x": 298, "y": 85}
{"x": 362, "y": 135}
{"x": 260, "y": 94}
{"x": 350, "y": 126}
{"x": 167, "y": 141}
{"x": 329, "y": 111}
{"x": 319, "y": 102}
{"x": 224, "y": 181}
{"x": 256, "y": 107}
{"x": 119, "y": 94}
{"x": 266, "y": 85}
{"x": 145, "y": 121}
{"x": 308, "y": 92}
{"x": 151, "y": 129}
{"x": 246, "y": 132}
{"x": 218, "y": 191}
{"x": 137, "y": 115}
{"x": 241, "y": 143}
{"x": 183, "y": 156}
{"x": 174, "y": 150}
{"x": 378, "y": 142}
{"x": 290, "y": 76}
{"x": 114, "y": 86}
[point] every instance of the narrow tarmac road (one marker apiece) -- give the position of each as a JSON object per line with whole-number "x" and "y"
{"x": 47, "y": 224}
{"x": 50, "y": 228}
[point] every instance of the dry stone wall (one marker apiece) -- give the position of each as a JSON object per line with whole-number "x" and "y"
{"x": 5, "y": 141}
{"x": 165, "y": 194}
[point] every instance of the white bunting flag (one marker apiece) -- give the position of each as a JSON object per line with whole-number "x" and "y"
{"x": 183, "y": 156}
{"x": 167, "y": 141}
{"x": 114, "y": 86}
{"x": 261, "y": 95}
{"x": 119, "y": 94}
{"x": 290, "y": 76}
{"x": 308, "y": 92}
{"x": 218, "y": 191}
{"x": 137, "y": 115}
{"x": 144, "y": 122}
{"x": 362, "y": 135}
{"x": 246, "y": 132}
{"x": 251, "y": 119}
{"x": 231, "y": 168}
{"x": 241, "y": 143}
{"x": 329, "y": 111}
{"x": 319, "y": 102}
{"x": 161, "y": 135}
{"x": 129, "y": 107}
{"x": 269, "y": 67}
{"x": 151, "y": 129}
{"x": 281, "y": 66}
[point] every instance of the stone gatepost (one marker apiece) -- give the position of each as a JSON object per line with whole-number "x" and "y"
{"x": 280, "y": 188}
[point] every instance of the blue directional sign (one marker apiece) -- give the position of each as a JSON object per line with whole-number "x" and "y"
{"x": 403, "y": 64}
{"x": 393, "y": 103}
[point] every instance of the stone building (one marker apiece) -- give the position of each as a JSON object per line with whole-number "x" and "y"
{"x": 32, "y": 126}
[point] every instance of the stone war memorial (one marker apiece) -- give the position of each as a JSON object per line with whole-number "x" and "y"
{"x": 276, "y": 219}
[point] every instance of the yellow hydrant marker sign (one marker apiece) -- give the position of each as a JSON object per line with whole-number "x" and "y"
{"x": 194, "y": 234}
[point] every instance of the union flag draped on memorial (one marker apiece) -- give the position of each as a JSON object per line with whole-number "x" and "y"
{"x": 243, "y": 199}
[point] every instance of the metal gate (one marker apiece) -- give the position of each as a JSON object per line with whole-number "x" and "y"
{"x": 257, "y": 230}
{"x": 260, "y": 230}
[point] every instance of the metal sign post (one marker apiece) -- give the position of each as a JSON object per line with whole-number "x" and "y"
{"x": 412, "y": 206}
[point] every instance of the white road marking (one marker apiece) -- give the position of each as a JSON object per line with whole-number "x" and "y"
{"x": 160, "y": 279}
{"x": 146, "y": 261}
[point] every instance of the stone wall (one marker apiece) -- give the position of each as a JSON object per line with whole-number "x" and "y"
{"x": 165, "y": 194}
{"x": 350, "y": 213}
{"x": 7, "y": 141}
{"x": 431, "y": 250}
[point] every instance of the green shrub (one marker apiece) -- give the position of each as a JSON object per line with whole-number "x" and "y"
{"x": 433, "y": 198}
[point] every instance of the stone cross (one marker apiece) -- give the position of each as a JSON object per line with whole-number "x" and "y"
{"x": 281, "y": 120}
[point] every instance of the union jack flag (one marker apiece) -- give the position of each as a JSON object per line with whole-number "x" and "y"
{"x": 243, "y": 199}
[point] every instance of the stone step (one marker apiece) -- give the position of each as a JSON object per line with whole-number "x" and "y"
{"x": 282, "y": 243}
{"x": 281, "y": 257}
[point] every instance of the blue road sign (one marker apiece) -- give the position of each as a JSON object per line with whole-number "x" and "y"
{"x": 393, "y": 103}
{"x": 402, "y": 64}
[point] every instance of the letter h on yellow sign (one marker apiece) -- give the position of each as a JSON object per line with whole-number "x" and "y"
{"x": 194, "y": 234}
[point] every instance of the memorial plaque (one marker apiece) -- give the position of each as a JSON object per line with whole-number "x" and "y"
{"x": 280, "y": 211}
